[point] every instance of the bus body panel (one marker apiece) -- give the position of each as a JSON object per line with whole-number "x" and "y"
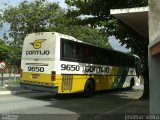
{"x": 42, "y": 61}
{"x": 38, "y": 61}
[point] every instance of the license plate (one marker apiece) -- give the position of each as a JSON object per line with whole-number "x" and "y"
{"x": 35, "y": 76}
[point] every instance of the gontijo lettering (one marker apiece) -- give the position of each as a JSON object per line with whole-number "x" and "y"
{"x": 37, "y": 52}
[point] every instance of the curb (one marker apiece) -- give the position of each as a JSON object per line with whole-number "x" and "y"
{"x": 14, "y": 92}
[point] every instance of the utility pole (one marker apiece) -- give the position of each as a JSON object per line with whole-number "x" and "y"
{"x": 2, "y": 66}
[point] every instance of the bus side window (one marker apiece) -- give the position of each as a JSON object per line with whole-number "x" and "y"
{"x": 69, "y": 50}
{"x": 106, "y": 59}
{"x": 93, "y": 55}
{"x": 84, "y": 53}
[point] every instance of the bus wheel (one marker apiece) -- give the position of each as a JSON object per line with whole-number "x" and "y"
{"x": 131, "y": 83}
{"x": 89, "y": 88}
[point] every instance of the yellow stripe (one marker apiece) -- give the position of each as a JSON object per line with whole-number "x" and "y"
{"x": 102, "y": 82}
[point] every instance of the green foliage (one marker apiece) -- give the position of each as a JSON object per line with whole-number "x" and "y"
{"x": 14, "y": 55}
{"x": 83, "y": 33}
{"x": 98, "y": 15}
{"x": 4, "y": 50}
{"x": 66, "y": 25}
{"x": 14, "y": 83}
{"x": 9, "y": 53}
{"x": 30, "y": 17}
{"x": 42, "y": 16}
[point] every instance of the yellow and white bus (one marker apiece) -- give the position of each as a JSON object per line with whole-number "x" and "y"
{"x": 60, "y": 63}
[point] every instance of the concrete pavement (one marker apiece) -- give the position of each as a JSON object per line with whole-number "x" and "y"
{"x": 133, "y": 108}
{"x": 6, "y": 90}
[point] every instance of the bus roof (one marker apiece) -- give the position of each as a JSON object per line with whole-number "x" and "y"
{"x": 83, "y": 42}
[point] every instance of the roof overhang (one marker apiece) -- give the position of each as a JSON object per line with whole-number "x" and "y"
{"x": 135, "y": 18}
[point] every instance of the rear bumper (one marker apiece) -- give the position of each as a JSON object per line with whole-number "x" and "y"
{"x": 39, "y": 87}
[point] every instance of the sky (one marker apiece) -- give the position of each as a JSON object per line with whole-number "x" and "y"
{"x": 15, "y": 2}
{"x": 114, "y": 43}
{"x": 117, "y": 45}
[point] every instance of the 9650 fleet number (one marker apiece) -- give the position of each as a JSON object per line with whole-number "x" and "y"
{"x": 69, "y": 67}
{"x": 35, "y": 69}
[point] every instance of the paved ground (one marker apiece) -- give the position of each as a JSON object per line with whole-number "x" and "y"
{"x": 110, "y": 105}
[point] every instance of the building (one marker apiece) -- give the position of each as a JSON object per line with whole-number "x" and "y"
{"x": 145, "y": 21}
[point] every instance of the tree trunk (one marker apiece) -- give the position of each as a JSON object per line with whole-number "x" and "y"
{"x": 146, "y": 85}
{"x": 145, "y": 75}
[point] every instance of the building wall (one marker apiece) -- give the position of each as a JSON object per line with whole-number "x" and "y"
{"x": 154, "y": 73}
{"x": 154, "y": 60}
{"x": 154, "y": 17}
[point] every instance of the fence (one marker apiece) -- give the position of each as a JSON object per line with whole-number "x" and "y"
{"x": 10, "y": 74}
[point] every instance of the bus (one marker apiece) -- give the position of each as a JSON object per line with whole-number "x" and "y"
{"x": 59, "y": 63}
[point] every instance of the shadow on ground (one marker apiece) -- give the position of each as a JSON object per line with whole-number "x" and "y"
{"x": 111, "y": 104}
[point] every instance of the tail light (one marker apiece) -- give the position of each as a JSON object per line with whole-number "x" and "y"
{"x": 53, "y": 76}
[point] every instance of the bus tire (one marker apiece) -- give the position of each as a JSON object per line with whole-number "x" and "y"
{"x": 132, "y": 82}
{"x": 89, "y": 88}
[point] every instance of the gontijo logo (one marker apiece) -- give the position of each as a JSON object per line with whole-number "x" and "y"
{"x": 38, "y": 43}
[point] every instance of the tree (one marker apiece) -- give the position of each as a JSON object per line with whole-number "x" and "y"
{"x": 97, "y": 14}
{"x": 84, "y": 33}
{"x": 4, "y": 50}
{"x": 40, "y": 16}
{"x": 43, "y": 16}
{"x": 14, "y": 55}
{"x": 9, "y": 53}
{"x": 29, "y": 17}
